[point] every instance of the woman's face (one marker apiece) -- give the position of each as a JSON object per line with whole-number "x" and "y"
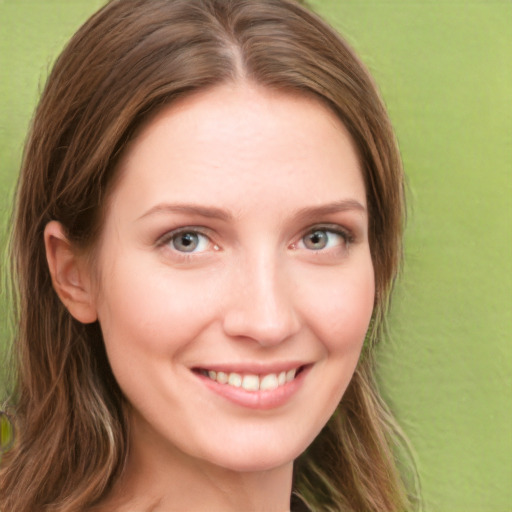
{"x": 235, "y": 282}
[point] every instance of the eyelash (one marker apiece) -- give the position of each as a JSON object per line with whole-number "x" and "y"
{"x": 334, "y": 229}
{"x": 168, "y": 238}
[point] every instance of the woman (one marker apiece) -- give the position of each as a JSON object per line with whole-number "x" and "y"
{"x": 210, "y": 214}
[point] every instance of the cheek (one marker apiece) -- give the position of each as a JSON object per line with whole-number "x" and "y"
{"x": 154, "y": 312}
{"x": 340, "y": 307}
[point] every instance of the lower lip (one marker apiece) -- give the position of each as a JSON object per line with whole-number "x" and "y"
{"x": 262, "y": 400}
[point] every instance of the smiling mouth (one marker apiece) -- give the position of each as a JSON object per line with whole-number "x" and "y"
{"x": 252, "y": 382}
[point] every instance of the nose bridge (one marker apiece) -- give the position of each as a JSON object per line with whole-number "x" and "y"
{"x": 262, "y": 306}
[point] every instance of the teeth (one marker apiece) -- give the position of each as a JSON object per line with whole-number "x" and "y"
{"x": 235, "y": 379}
{"x": 269, "y": 382}
{"x": 251, "y": 382}
{"x": 222, "y": 378}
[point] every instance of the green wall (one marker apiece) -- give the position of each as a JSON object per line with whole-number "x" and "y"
{"x": 445, "y": 71}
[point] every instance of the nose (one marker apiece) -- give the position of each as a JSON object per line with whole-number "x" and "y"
{"x": 261, "y": 303}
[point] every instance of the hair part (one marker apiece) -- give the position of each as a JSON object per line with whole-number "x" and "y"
{"x": 128, "y": 61}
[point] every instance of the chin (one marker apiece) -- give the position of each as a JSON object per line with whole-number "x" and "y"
{"x": 263, "y": 453}
{"x": 252, "y": 463}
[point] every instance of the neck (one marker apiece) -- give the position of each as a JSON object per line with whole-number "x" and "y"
{"x": 165, "y": 480}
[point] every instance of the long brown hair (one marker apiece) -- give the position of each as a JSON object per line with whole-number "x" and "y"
{"x": 130, "y": 59}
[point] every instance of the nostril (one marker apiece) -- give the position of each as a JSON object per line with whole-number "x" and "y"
{"x": 260, "y": 324}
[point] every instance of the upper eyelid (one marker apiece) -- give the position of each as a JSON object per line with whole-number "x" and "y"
{"x": 347, "y": 235}
{"x": 164, "y": 243}
{"x": 168, "y": 235}
{"x": 343, "y": 231}
{"x": 333, "y": 228}
{"x": 165, "y": 239}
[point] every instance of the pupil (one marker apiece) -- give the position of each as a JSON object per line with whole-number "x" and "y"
{"x": 186, "y": 242}
{"x": 317, "y": 240}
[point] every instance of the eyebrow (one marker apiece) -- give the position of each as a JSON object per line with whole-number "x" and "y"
{"x": 220, "y": 214}
{"x": 343, "y": 205}
{"x": 189, "y": 209}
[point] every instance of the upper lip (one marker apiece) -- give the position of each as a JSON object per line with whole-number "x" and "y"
{"x": 252, "y": 368}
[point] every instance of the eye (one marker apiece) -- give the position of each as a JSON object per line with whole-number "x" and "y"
{"x": 187, "y": 241}
{"x": 324, "y": 238}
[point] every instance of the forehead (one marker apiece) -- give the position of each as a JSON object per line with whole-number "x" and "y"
{"x": 241, "y": 145}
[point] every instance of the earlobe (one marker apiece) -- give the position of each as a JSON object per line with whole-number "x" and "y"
{"x": 70, "y": 278}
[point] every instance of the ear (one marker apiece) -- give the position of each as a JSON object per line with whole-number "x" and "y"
{"x": 70, "y": 277}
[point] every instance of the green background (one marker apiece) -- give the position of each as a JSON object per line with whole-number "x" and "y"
{"x": 445, "y": 71}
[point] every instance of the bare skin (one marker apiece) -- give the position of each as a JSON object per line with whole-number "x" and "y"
{"x": 235, "y": 248}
